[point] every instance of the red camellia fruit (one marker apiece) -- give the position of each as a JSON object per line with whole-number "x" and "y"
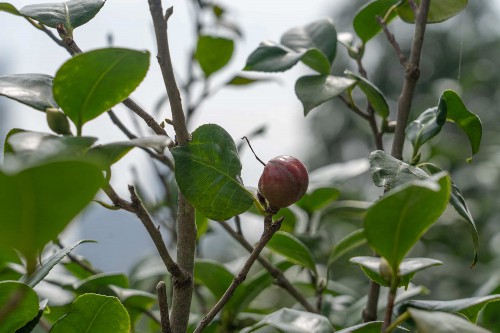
{"x": 283, "y": 181}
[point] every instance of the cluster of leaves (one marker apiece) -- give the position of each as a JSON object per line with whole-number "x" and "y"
{"x": 42, "y": 170}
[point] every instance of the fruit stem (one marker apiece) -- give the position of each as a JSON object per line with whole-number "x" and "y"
{"x": 254, "y": 154}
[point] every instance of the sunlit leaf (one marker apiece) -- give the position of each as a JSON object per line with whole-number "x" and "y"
{"x": 207, "y": 171}
{"x": 439, "y": 11}
{"x": 213, "y": 53}
{"x": 315, "y": 90}
{"x": 25, "y": 309}
{"x": 7, "y": 7}
{"x": 94, "y": 313}
{"x": 50, "y": 14}
{"x": 90, "y": 83}
{"x": 34, "y": 90}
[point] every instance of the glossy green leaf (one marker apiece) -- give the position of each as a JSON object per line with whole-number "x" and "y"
{"x": 212, "y": 275}
{"x": 90, "y": 83}
{"x": 240, "y": 80}
{"x": 111, "y": 153}
{"x": 293, "y": 321}
{"x": 315, "y": 90}
{"x": 96, "y": 314}
{"x": 251, "y": 288}
{"x": 50, "y": 14}
{"x": 397, "y": 221}
{"x": 7, "y": 7}
{"x": 320, "y": 35}
{"x": 136, "y": 302}
{"x": 458, "y": 202}
{"x": 466, "y": 120}
{"x": 100, "y": 283}
{"x": 374, "y": 95}
{"x": 426, "y": 126}
{"x": 365, "y": 21}
{"x": 468, "y": 307}
{"x": 370, "y": 327}
{"x": 39, "y": 202}
{"x": 442, "y": 322}
{"x": 350, "y": 242}
{"x": 207, "y": 171}
{"x": 31, "y": 148}
{"x": 213, "y": 53}
{"x": 439, "y": 11}
{"x": 26, "y": 307}
{"x": 34, "y": 90}
{"x": 42, "y": 270}
{"x": 292, "y": 249}
{"x": 314, "y": 44}
{"x": 318, "y": 199}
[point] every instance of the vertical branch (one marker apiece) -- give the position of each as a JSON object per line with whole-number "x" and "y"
{"x": 186, "y": 239}
{"x": 161, "y": 291}
{"x": 412, "y": 74}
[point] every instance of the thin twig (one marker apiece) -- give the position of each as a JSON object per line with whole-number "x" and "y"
{"x": 254, "y": 154}
{"x": 270, "y": 229}
{"x": 353, "y": 107}
{"x": 156, "y": 236}
{"x": 412, "y": 74}
{"x": 68, "y": 41}
{"x": 392, "y": 40}
{"x": 391, "y": 297}
{"x": 148, "y": 119}
{"x": 281, "y": 279}
{"x": 161, "y": 291}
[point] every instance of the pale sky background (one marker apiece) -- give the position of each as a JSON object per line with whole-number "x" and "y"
{"x": 23, "y": 49}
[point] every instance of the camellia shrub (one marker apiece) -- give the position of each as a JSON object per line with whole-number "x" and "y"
{"x": 47, "y": 179}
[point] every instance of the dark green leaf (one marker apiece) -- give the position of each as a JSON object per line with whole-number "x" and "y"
{"x": 50, "y": 14}
{"x": 293, "y": 321}
{"x": 466, "y": 120}
{"x": 41, "y": 271}
{"x": 213, "y": 53}
{"x": 91, "y": 83}
{"x": 94, "y": 313}
{"x": 426, "y": 126}
{"x": 442, "y": 322}
{"x": 314, "y": 90}
{"x": 320, "y": 35}
{"x": 272, "y": 57}
{"x": 390, "y": 172}
{"x": 439, "y": 11}
{"x": 371, "y": 327}
{"x": 111, "y": 153}
{"x": 374, "y": 95}
{"x": 202, "y": 223}
{"x": 397, "y": 221}
{"x": 25, "y": 309}
{"x": 240, "y": 80}
{"x": 318, "y": 199}
{"x": 458, "y": 202}
{"x": 37, "y": 203}
{"x": 100, "y": 283}
{"x": 292, "y": 249}
{"x": 34, "y": 90}
{"x": 371, "y": 267}
{"x": 348, "y": 243}
{"x": 212, "y": 275}
{"x": 468, "y": 307}
{"x": 365, "y": 22}
{"x": 7, "y": 7}
{"x": 207, "y": 171}
{"x": 136, "y": 302}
